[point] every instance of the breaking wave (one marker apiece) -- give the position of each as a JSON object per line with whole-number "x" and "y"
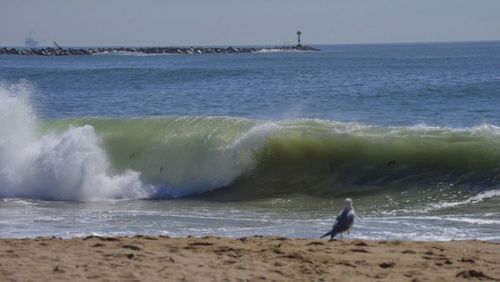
{"x": 88, "y": 159}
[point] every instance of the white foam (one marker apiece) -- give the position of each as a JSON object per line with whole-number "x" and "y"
{"x": 65, "y": 166}
{"x": 471, "y": 200}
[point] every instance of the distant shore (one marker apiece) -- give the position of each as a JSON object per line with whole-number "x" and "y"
{"x": 55, "y": 51}
{"x": 144, "y": 258}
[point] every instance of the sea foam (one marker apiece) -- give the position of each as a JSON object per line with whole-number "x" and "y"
{"x": 66, "y": 166}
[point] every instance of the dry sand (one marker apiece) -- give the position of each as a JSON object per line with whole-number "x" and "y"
{"x": 144, "y": 258}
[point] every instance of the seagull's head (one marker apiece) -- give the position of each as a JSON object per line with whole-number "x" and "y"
{"x": 348, "y": 204}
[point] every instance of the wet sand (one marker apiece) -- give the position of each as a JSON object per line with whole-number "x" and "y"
{"x": 144, "y": 258}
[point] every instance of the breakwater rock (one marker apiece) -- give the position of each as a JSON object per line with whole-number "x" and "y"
{"x": 54, "y": 51}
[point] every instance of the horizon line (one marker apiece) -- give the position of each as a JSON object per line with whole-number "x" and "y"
{"x": 263, "y": 45}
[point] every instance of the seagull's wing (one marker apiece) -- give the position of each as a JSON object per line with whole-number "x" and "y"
{"x": 344, "y": 222}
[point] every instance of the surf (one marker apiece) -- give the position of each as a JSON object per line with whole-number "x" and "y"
{"x": 97, "y": 158}
{"x": 246, "y": 159}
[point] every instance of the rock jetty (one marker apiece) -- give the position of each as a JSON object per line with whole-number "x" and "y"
{"x": 54, "y": 51}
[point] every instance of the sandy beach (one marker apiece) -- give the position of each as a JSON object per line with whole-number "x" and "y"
{"x": 144, "y": 258}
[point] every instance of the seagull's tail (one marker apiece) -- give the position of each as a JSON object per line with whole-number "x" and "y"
{"x": 332, "y": 233}
{"x": 326, "y": 234}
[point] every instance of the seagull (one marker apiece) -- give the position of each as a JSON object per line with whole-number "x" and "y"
{"x": 344, "y": 221}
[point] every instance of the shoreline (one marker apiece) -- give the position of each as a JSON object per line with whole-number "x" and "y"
{"x": 60, "y": 51}
{"x": 150, "y": 258}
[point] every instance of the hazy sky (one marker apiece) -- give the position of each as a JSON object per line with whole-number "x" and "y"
{"x": 246, "y": 22}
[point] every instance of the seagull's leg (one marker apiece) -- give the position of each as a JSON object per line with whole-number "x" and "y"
{"x": 341, "y": 236}
{"x": 348, "y": 235}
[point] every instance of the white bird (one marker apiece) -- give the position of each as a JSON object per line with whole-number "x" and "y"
{"x": 344, "y": 221}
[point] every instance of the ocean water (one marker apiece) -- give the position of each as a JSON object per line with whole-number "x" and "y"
{"x": 268, "y": 143}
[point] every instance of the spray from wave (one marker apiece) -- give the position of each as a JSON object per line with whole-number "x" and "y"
{"x": 66, "y": 166}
